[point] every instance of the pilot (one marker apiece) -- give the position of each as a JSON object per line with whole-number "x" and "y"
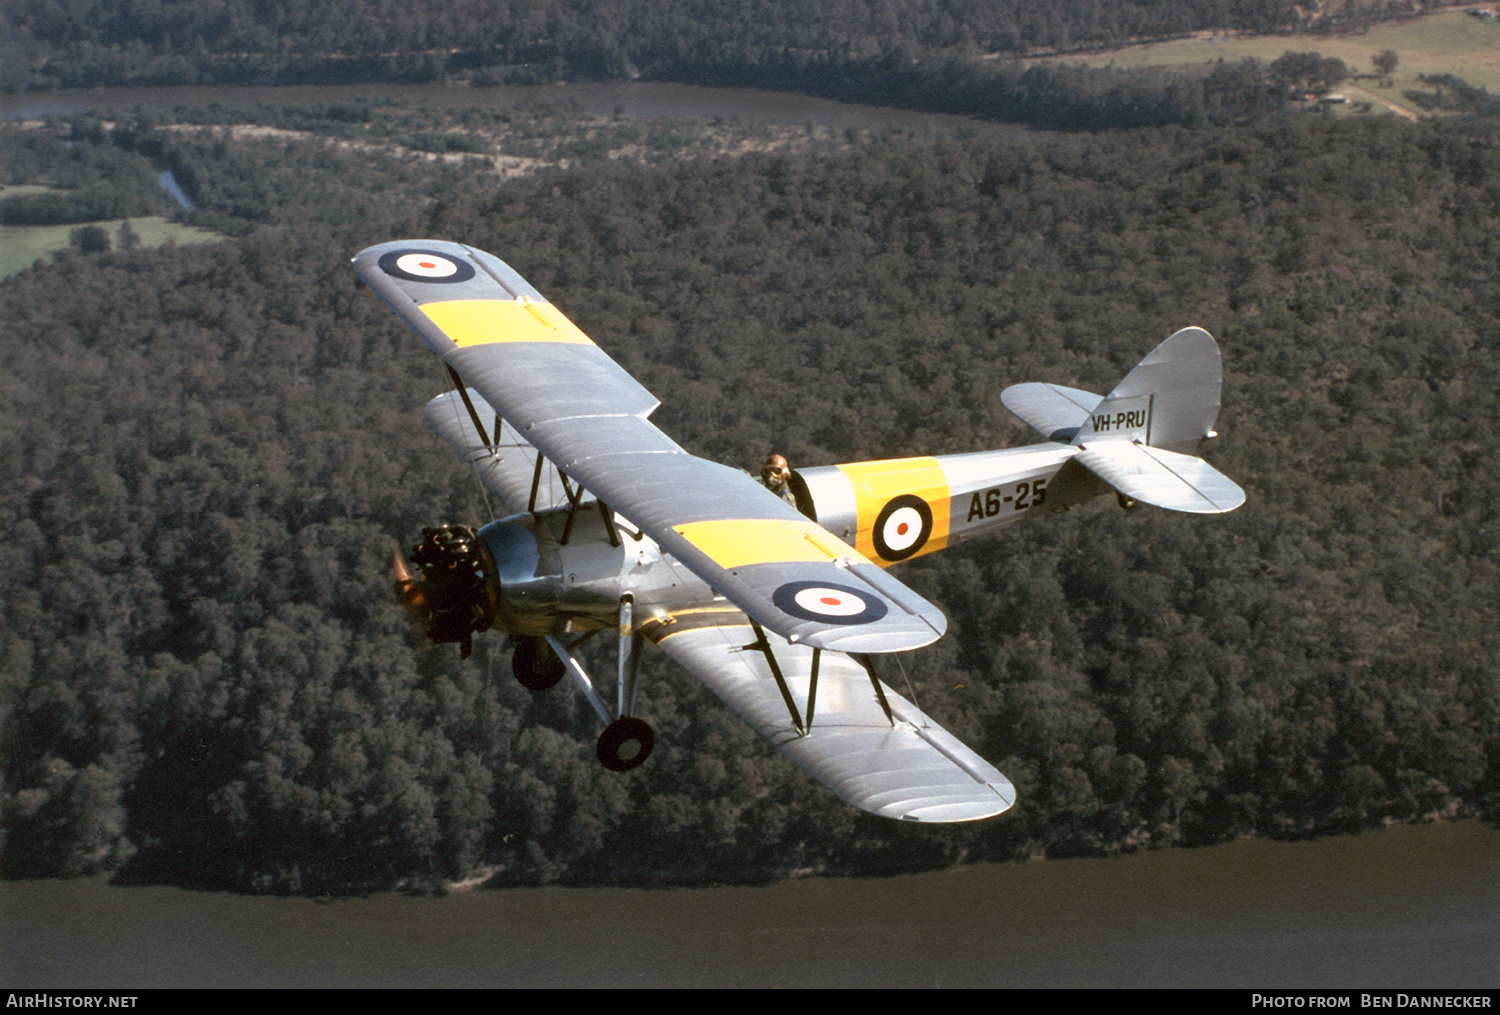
{"x": 774, "y": 475}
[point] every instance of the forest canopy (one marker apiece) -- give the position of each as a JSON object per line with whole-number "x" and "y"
{"x": 214, "y": 449}
{"x": 949, "y": 56}
{"x": 625, "y": 35}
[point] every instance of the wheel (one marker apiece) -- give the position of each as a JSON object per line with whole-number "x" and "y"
{"x": 1125, "y": 502}
{"x": 535, "y": 665}
{"x": 625, "y": 743}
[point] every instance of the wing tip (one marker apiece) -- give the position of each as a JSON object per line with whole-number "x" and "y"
{"x": 953, "y": 812}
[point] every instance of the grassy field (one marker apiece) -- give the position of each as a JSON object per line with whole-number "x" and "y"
{"x": 1450, "y": 42}
{"x": 20, "y": 246}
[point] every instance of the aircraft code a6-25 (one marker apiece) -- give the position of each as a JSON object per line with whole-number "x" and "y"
{"x": 989, "y": 503}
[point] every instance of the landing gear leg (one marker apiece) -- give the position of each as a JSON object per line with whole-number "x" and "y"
{"x": 630, "y": 658}
{"x": 626, "y": 740}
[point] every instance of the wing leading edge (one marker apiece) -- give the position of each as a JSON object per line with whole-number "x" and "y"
{"x": 910, "y": 768}
{"x": 562, "y": 394}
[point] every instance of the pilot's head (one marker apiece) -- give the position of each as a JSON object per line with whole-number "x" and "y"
{"x": 776, "y": 472}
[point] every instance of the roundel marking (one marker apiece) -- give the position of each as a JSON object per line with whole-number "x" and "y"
{"x": 902, "y": 527}
{"x": 831, "y": 604}
{"x": 425, "y": 266}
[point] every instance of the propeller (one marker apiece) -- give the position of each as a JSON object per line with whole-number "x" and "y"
{"x": 408, "y": 586}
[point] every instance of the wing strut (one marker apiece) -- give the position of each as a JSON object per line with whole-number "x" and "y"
{"x": 762, "y": 644}
{"x": 463, "y": 392}
{"x": 575, "y": 497}
{"x": 609, "y": 524}
{"x": 812, "y": 686}
{"x": 864, "y": 660}
{"x": 536, "y": 483}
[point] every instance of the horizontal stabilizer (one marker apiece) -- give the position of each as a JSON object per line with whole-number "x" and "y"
{"x": 1162, "y": 478}
{"x": 1051, "y": 410}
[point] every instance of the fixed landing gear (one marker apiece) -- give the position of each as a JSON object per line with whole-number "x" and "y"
{"x": 540, "y": 662}
{"x": 625, "y": 743}
{"x": 535, "y": 665}
{"x": 1126, "y": 503}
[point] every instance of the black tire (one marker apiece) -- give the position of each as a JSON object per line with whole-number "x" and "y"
{"x": 535, "y": 665}
{"x": 625, "y": 743}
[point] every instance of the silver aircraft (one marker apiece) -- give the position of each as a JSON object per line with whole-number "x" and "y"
{"x": 779, "y": 609}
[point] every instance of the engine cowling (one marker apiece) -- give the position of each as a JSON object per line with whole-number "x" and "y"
{"x": 461, "y": 581}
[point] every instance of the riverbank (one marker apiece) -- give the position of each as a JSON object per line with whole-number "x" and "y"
{"x": 642, "y": 100}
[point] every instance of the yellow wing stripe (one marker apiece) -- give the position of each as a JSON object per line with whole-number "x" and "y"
{"x": 875, "y": 483}
{"x": 737, "y": 542}
{"x": 481, "y": 322}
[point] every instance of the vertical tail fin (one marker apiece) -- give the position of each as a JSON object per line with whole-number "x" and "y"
{"x": 1169, "y": 401}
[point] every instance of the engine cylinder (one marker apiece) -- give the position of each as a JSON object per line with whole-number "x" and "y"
{"x": 454, "y": 590}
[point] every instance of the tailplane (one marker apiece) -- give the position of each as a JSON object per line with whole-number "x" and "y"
{"x": 1143, "y": 437}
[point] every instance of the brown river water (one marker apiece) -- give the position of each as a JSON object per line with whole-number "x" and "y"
{"x": 1405, "y": 908}
{"x": 635, "y": 99}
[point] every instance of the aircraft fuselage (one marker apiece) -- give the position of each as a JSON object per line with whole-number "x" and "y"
{"x": 567, "y": 570}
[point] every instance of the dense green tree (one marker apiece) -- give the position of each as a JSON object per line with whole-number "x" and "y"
{"x": 1386, "y": 61}
{"x": 90, "y": 239}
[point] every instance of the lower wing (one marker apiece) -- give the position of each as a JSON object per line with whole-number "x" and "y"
{"x": 902, "y": 766}
{"x": 504, "y": 460}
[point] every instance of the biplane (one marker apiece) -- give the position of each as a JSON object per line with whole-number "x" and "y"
{"x": 782, "y": 609}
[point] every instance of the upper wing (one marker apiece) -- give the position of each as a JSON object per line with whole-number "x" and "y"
{"x": 911, "y": 768}
{"x": 566, "y": 397}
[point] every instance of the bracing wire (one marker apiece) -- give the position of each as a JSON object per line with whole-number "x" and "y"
{"x": 911, "y": 692}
